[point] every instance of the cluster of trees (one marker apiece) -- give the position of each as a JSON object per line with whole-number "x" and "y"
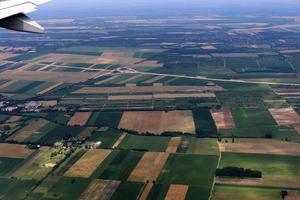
{"x": 238, "y": 172}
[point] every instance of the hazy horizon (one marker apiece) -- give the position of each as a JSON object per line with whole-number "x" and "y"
{"x": 80, "y": 8}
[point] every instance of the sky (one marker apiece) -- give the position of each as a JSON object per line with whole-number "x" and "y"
{"x": 81, "y": 8}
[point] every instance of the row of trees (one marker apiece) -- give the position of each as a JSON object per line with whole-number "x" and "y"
{"x": 238, "y": 172}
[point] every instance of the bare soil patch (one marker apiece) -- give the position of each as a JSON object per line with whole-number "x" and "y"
{"x": 88, "y": 163}
{"x": 262, "y": 146}
{"x": 285, "y": 116}
{"x": 14, "y": 151}
{"x": 223, "y": 118}
{"x": 173, "y": 144}
{"x": 293, "y": 195}
{"x": 177, "y": 192}
{"x": 158, "y": 122}
{"x": 149, "y": 167}
{"x": 79, "y": 119}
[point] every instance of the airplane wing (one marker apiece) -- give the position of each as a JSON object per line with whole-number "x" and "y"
{"x": 13, "y": 15}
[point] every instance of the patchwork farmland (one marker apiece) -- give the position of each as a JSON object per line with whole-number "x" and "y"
{"x": 106, "y": 108}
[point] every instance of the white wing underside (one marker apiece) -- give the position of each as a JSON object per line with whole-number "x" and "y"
{"x": 12, "y": 15}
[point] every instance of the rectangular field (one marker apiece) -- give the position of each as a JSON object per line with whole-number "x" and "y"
{"x": 146, "y": 89}
{"x": 190, "y": 169}
{"x": 144, "y": 143}
{"x": 14, "y": 151}
{"x": 261, "y": 146}
{"x": 173, "y": 144}
{"x": 277, "y": 170}
{"x": 88, "y": 163}
{"x": 223, "y": 118}
{"x": 100, "y": 189}
{"x": 79, "y": 118}
{"x": 149, "y": 167}
{"x": 28, "y": 131}
{"x": 222, "y": 192}
{"x": 177, "y": 192}
{"x": 158, "y": 122}
{"x": 285, "y": 116}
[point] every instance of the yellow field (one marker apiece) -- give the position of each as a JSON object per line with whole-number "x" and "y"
{"x": 149, "y": 167}
{"x": 88, "y": 163}
{"x": 158, "y": 122}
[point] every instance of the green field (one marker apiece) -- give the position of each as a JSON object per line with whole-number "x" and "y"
{"x": 252, "y": 117}
{"x": 107, "y": 138}
{"x": 205, "y": 125}
{"x": 12, "y": 189}
{"x": 9, "y": 165}
{"x": 110, "y": 119}
{"x": 190, "y": 169}
{"x": 279, "y": 171}
{"x": 122, "y": 165}
{"x": 246, "y": 193}
{"x": 144, "y": 143}
{"x": 127, "y": 191}
{"x": 37, "y": 168}
{"x": 67, "y": 188}
{"x": 201, "y": 146}
{"x": 158, "y": 192}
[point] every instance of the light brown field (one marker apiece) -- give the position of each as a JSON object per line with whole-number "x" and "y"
{"x": 173, "y": 144}
{"x": 13, "y": 119}
{"x": 6, "y": 84}
{"x": 144, "y": 89}
{"x": 177, "y": 192}
{"x": 107, "y": 80}
{"x": 121, "y": 138}
{"x": 49, "y": 88}
{"x": 61, "y": 77}
{"x": 86, "y": 132}
{"x": 28, "y": 130}
{"x": 285, "y": 116}
{"x": 293, "y": 195}
{"x": 223, "y": 118}
{"x": 100, "y": 190}
{"x": 14, "y": 151}
{"x": 261, "y": 146}
{"x": 275, "y": 181}
{"x": 146, "y": 191}
{"x": 88, "y": 163}
{"x": 149, "y": 167}
{"x": 4, "y": 56}
{"x": 79, "y": 119}
{"x": 158, "y": 122}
